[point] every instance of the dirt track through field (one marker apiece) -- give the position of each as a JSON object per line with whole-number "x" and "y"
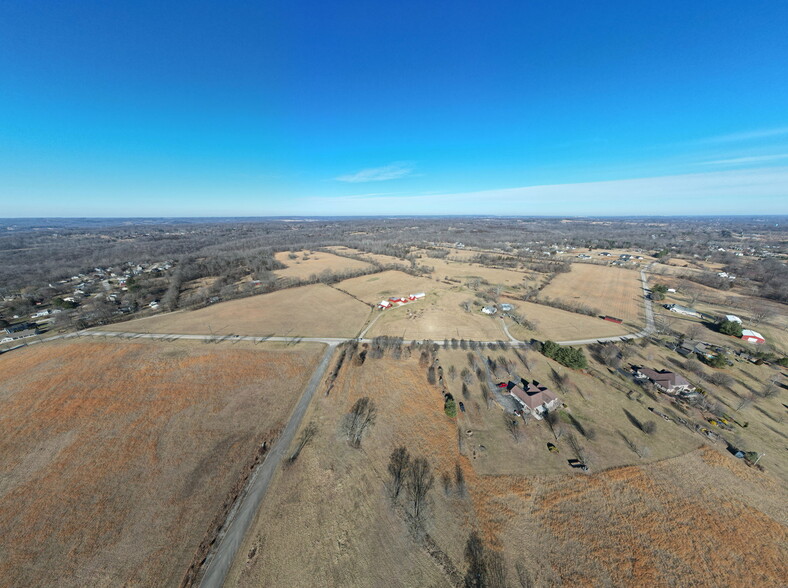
{"x": 230, "y": 538}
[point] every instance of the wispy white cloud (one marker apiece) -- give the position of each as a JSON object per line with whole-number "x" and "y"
{"x": 747, "y": 160}
{"x": 755, "y": 191}
{"x": 393, "y": 171}
{"x": 747, "y": 136}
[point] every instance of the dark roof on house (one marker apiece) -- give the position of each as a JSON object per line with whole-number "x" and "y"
{"x": 533, "y": 396}
{"x": 664, "y": 378}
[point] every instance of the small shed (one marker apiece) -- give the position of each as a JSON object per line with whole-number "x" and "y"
{"x": 732, "y": 318}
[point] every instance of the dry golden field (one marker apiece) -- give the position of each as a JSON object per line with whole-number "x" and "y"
{"x": 463, "y": 254}
{"x": 685, "y": 515}
{"x": 308, "y": 311}
{"x": 438, "y": 316}
{"x": 561, "y": 325}
{"x": 611, "y": 290}
{"x": 464, "y": 271}
{"x": 377, "y": 287}
{"x": 315, "y": 262}
{"x": 117, "y": 457}
{"x": 326, "y": 520}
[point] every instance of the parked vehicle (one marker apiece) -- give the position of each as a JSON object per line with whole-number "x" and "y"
{"x": 462, "y": 407}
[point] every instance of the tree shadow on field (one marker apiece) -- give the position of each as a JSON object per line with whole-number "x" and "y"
{"x": 633, "y": 419}
{"x": 576, "y": 424}
{"x": 631, "y": 445}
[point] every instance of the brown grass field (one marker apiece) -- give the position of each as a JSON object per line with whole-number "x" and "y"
{"x": 308, "y": 311}
{"x": 377, "y": 287}
{"x": 561, "y": 325}
{"x": 438, "y": 316}
{"x": 315, "y": 263}
{"x": 463, "y": 254}
{"x": 464, "y": 271}
{"x": 686, "y": 515}
{"x": 117, "y": 457}
{"x": 613, "y": 291}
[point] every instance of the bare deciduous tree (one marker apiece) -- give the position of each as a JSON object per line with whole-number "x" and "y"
{"x": 746, "y": 400}
{"x": 694, "y": 331}
{"x": 512, "y": 426}
{"x": 664, "y": 323}
{"x": 399, "y": 461}
{"x": 770, "y": 388}
{"x": 361, "y": 416}
{"x": 306, "y": 436}
{"x": 692, "y": 293}
{"x": 640, "y": 451}
{"x": 420, "y": 482}
{"x": 551, "y": 418}
{"x": 452, "y": 372}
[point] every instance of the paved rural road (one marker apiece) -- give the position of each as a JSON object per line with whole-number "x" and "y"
{"x": 232, "y": 535}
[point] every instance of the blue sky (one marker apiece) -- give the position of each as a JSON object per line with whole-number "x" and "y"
{"x": 310, "y": 108}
